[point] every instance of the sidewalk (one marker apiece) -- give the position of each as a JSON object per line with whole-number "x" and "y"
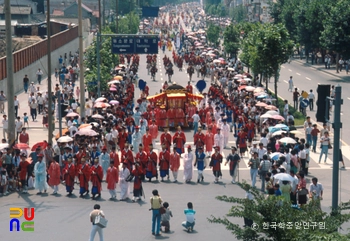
{"x": 23, "y": 103}
{"x": 321, "y": 67}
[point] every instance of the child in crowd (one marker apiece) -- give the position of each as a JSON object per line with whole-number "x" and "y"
{"x": 190, "y": 219}
{"x": 166, "y": 218}
{"x": 3, "y": 182}
{"x": 25, "y": 120}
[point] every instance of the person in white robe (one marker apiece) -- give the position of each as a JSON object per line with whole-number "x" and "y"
{"x": 124, "y": 185}
{"x": 188, "y": 164}
{"x": 219, "y": 139}
{"x": 40, "y": 175}
{"x": 225, "y": 130}
{"x": 104, "y": 160}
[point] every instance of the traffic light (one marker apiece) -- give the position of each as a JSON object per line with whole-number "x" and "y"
{"x": 322, "y": 114}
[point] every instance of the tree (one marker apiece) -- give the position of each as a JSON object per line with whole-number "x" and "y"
{"x": 128, "y": 24}
{"x": 336, "y": 34}
{"x": 238, "y": 13}
{"x": 213, "y": 33}
{"x": 275, "y": 211}
{"x": 108, "y": 60}
{"x": 231, "y": 40}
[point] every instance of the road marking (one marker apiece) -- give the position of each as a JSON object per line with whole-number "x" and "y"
{"x": 285, "y": 81}
{"x": 160, "y": 74}
{"x": 161, "y": 79}
{"x": 298, "y": 74}
{"x": 348, "y": 98}
{"x": 283, "y": 67}
{"x": 308, "y": 78}
{"x": 290, "y": 70}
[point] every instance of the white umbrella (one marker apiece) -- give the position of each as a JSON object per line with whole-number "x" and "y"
{"x": 97, "y": 116}
{"x": 272, "y": 112}
{"x": 230, "y": 69}
{"x": 266, "y": 115}
{"x": 86, "y": 132}
{"x": 295, "y": 132}
{"x": 113, "y": 82}
{"x": 101, "y": 99}
{"x": 65, "y": 139}
{"x": 72, "y": 114}
{"x": 287, "y": 140}
{"x": 278, "y": 133}
{"x": 249, "y": 88}
{"x": 284, "y": 177}
{"x": 4, "y": 145}
{"x": 95, "y": 124}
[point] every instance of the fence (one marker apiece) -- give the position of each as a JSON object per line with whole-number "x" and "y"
{"x": 30, "y": 54}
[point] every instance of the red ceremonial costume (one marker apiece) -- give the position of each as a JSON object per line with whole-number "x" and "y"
{"x": 153, "y": 130}
{"x": 142, "y": 158}
{"x": 209, "y": 141}
{"x": 96, "y": 179}
{"x": 165, "y": 138}
{"x": 84, "y": 177}
{"x": 164, "y": 163}
{"x": 129, "y": 157}
{"x": 174, "y": 162}
{"x": 113, "y": 156}
{"x": 151, "y": 167}
{"x": 69, "y": 174}
{"x": 162, "y": 118}
{"x": 171, "y": 117}
{"x": 199, "y": 140}
{"x": 23, "y": 166}
{"x": 55, "y": 174}
{"x": 112, "y": 178}
{"x": 179, "y": 139}
{"x": 146, "y": 141}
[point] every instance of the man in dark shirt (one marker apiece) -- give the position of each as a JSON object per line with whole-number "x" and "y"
{"x": 25, "y": 83}
{"x": 296, "y": 95}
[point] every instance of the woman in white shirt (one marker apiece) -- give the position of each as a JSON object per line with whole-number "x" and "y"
{"x": 325, "y": 141}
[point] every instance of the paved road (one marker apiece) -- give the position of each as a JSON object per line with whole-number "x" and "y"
{"x": 60, "y": 217}
{"x": 306, "y": 77}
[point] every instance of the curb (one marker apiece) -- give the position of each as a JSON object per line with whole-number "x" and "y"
{"x": 324, "y": 71}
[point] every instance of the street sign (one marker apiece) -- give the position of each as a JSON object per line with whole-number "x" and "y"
{"x": 150, "y": 12}
{"x": 146, "y": 45}
{"x": 304, "y": 103}
{"x": 123, "y": 45}
{"x": 135, "y": 44}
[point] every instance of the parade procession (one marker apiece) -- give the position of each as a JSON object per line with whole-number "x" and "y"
{"x": 177, "y": 129}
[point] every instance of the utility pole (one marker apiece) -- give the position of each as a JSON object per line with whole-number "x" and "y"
{"x": 100, "y": 16}
{"x": 51, "y": 120}
{"x": 9, "y": 70}
{"x": 81, "y": 60}
{"x": 98, "y": 42}
{"x": 116, "y": 16}
{"x": 337, "y": 125}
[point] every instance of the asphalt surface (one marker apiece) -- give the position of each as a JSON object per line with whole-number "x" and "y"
{"x": 67, "y": 218}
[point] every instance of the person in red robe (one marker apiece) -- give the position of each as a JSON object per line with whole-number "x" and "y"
{"x": 151, "y": 167}
{"x": 242, "y": 143}
{"x": 179, "y": 140}
{"x": 215, "y": 163}
{"x": 141, "y": 157}
{"x": 164, "y": 162}
{"x": 153, "y": 130}
{"x": 138, "y": 174}
{"x": 250, "y": 128}
{"x": 122, "y": 138}
{"x": 96, "y": 179}
{"x": 69, "y": 175}
{"x": 199, "y": 139}
{"x": 174, "y": 161}
{"x": 55, "y": 175}
{"x": 180, "y": 116}
{"x": 23, "y": 170}
{"x": 189, "y": 88}
{"x": 171, "y": 117}
{"x": 127, "y": 156}
{"x": 165, "y": 138}
{"x": 209, "y": 141}
{"x": 162, "y": 117}
{"x": 147, "y": 140}
{"x": 113, "y": 156}
{"x": 112, "y": 180}
{"x": 78, "y": 156}
{"x": 84, "y": 173}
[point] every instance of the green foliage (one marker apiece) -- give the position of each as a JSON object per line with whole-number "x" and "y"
{"x": 128, "y": 24}
{"x": 271, "y": 210}
{"x": 108, "y": 61}
{"x": 336, "y": 34}
{"x": 231, "y": 40}
{"x": 238, "y": 13}
{"x": 213, "y": 34}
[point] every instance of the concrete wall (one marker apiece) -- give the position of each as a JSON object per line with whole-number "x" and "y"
{"x": 42, "y": 64}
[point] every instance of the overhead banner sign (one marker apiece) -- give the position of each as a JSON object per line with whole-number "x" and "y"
{"x": 135, "y": 44}
{"x": 150, "y": 12}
